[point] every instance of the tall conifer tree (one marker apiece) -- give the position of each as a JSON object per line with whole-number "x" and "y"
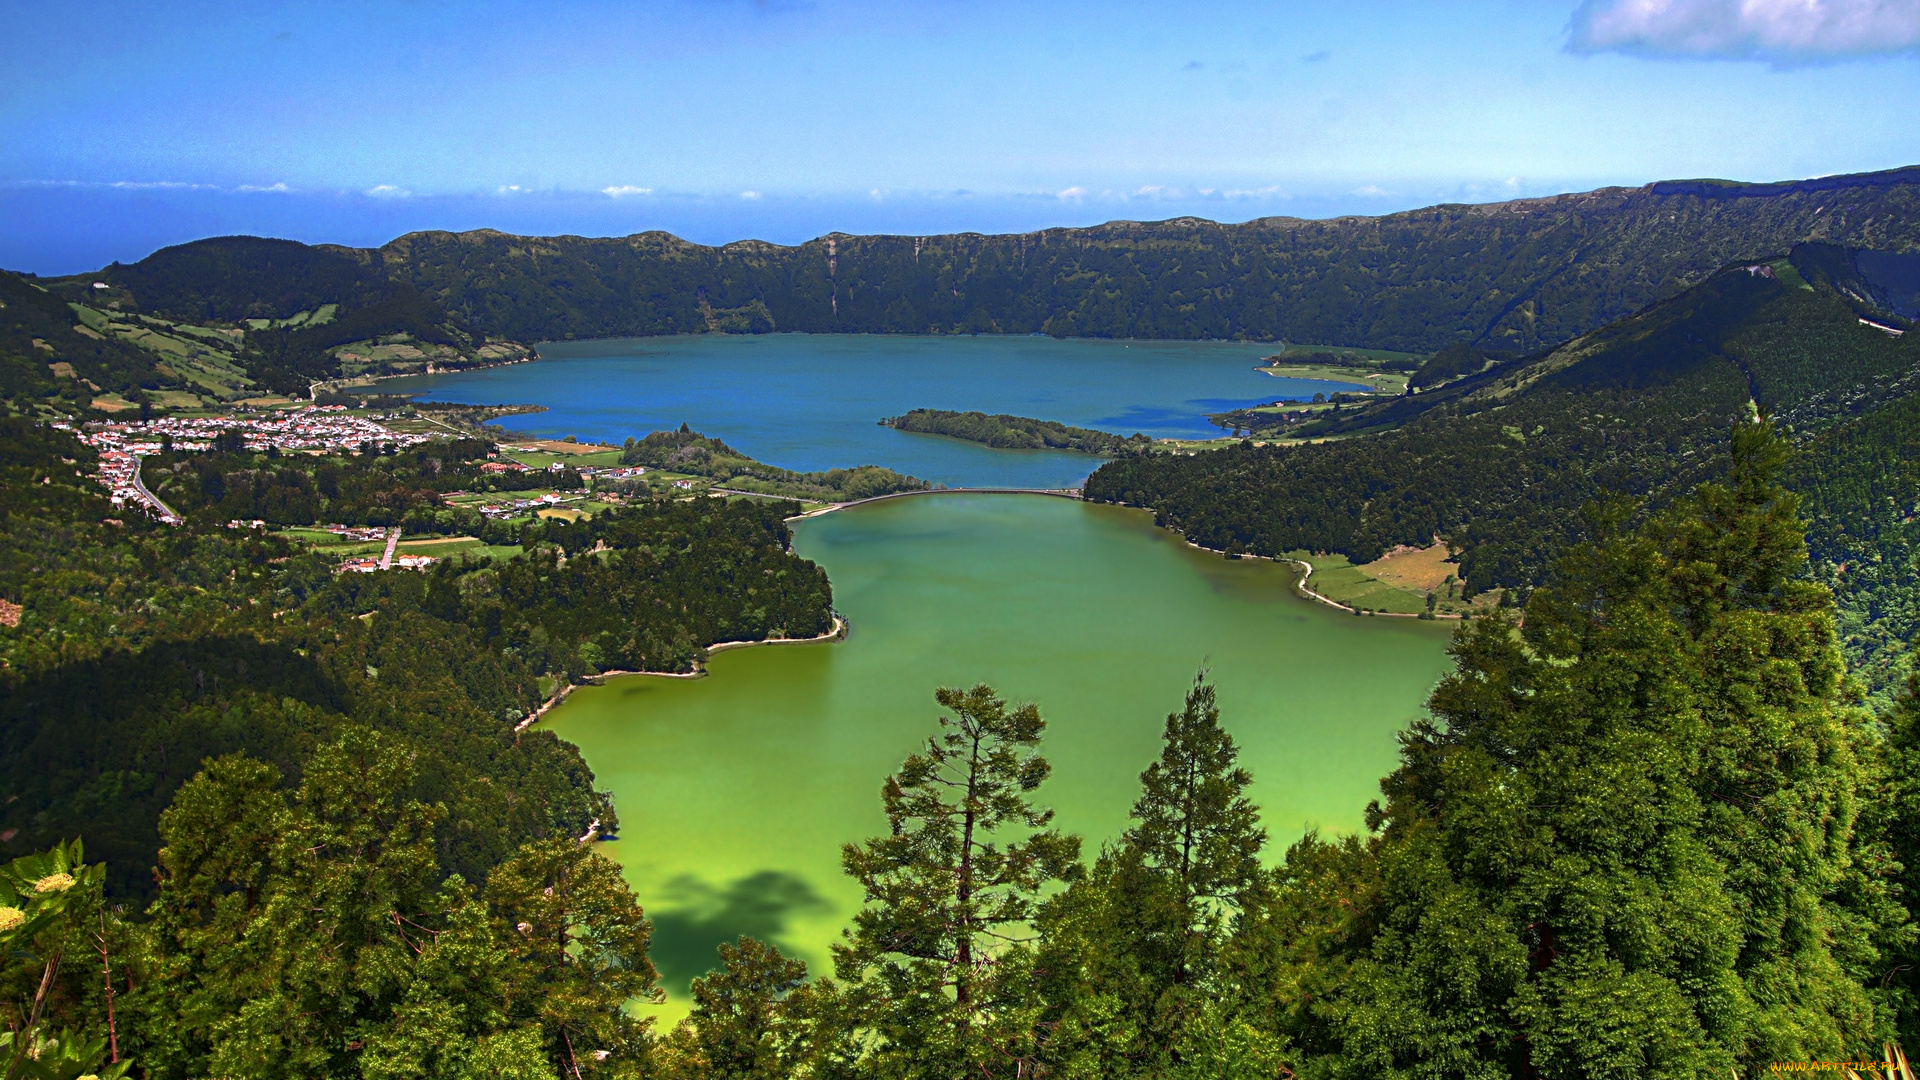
{"x": 1129, "y": 945}
{"x": 936, "y": 955}
{"x": 1193, "y": 823}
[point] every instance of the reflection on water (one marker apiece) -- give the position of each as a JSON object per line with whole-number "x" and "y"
{"x": 696, "y": 917}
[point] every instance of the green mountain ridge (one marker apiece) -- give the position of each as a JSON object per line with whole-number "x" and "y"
{"x": 1499, "y": 462}
{"x": 1516, "y": 275}
{"x": 1513, "y": 275}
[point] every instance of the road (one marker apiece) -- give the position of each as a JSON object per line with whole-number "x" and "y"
{"x": 166, "y": 512}
{"x": 393, "y": 541}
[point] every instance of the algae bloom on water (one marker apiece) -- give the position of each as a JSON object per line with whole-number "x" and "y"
{"x": 740, "y": 788}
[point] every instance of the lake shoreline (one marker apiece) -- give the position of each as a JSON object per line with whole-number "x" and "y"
{"x": 746, "y": 784}
{"x": 838, "y": 633}
{"x": 810, "y": 402}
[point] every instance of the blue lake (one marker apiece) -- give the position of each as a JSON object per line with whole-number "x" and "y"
{"x": 814, "y": 401}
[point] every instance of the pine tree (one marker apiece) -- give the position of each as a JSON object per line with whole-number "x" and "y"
{"x": 1193, "y": 823}
{"x": 314, "y": 936}
{"x": 1895, "y": 816}
{"x": 936, "y": 956}
{"x": 1127, "y": 945}
{"x": 741, "y": 1027}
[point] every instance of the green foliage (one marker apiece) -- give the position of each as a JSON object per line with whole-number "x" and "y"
{"x": 49, "y": 902}
{"x": 1129, "y": 947}
{"x": 1017, "y": 432}
{"x": 747, "y": 1022}
{"x": 1624, "y": 845}
{"x": 1893, "y": 819}
{"x": 1455, "y": 361}
{"x": 934, "y": 959}
{"x": 688, "y": 451}
{"x": 314, "y": 935}
{"x": 1193, "y": 822}
{"x": 37, "y": 329}
{"x": 395, "y": 487}
{"x": 229, "y": 279}
{"x": 1861, "y": 482}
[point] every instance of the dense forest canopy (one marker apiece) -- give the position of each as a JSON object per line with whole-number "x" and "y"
{"x": 688, "y": 451}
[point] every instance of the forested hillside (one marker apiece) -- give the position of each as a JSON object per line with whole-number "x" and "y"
{"x": 220, "y": 320}
{"x": 1515, "y": 275}
{"x": 140, "y": 650}
{"x": 237, "y": 315}
{"x": 1498, "y": 463}
{"x": 1641, "y": 833}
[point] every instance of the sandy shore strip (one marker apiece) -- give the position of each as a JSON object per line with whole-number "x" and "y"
{"x": 1058, "y": 493}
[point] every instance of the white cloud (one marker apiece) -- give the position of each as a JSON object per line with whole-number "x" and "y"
{"x": 159, "y": 185}
{"x": 623, "y": 191}
{"x": 1779, "y": 30}
{"x": 1371, "y": 191}
{"x": 750, "y": 196}
{"x": 278, "y": 189}
{"x": 1271, "y": 191}
{"x": 1074, "y": 194}
{"x": 388, "y": 191}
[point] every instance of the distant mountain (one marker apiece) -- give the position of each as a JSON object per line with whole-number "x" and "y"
{"x": 1501, "y": 461}
{"x": 223, "y": 319}
{"x": 234, "y": 278}
{"x": 1510, "y": 276}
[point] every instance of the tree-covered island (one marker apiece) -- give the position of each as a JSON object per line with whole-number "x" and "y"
{"x": 1004, "y": 432}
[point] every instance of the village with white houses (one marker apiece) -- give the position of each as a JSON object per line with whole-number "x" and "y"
{"x": 311, "y": 429}
{"x": 335, "y": 429}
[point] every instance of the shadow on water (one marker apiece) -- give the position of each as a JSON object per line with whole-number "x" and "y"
{"x": 696, "y": 917}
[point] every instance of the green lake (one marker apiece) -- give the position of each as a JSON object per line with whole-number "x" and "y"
{"x": 736, "y": 791}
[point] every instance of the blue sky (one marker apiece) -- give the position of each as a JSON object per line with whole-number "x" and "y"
{"x": 126, "y": 126}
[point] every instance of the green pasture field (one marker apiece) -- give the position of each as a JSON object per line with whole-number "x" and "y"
{"x": 1363, "y": 357}
{"x": 1344, "y": 583}
{"x": 1392, "y": 383}
{"x": 534, "y": 459}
